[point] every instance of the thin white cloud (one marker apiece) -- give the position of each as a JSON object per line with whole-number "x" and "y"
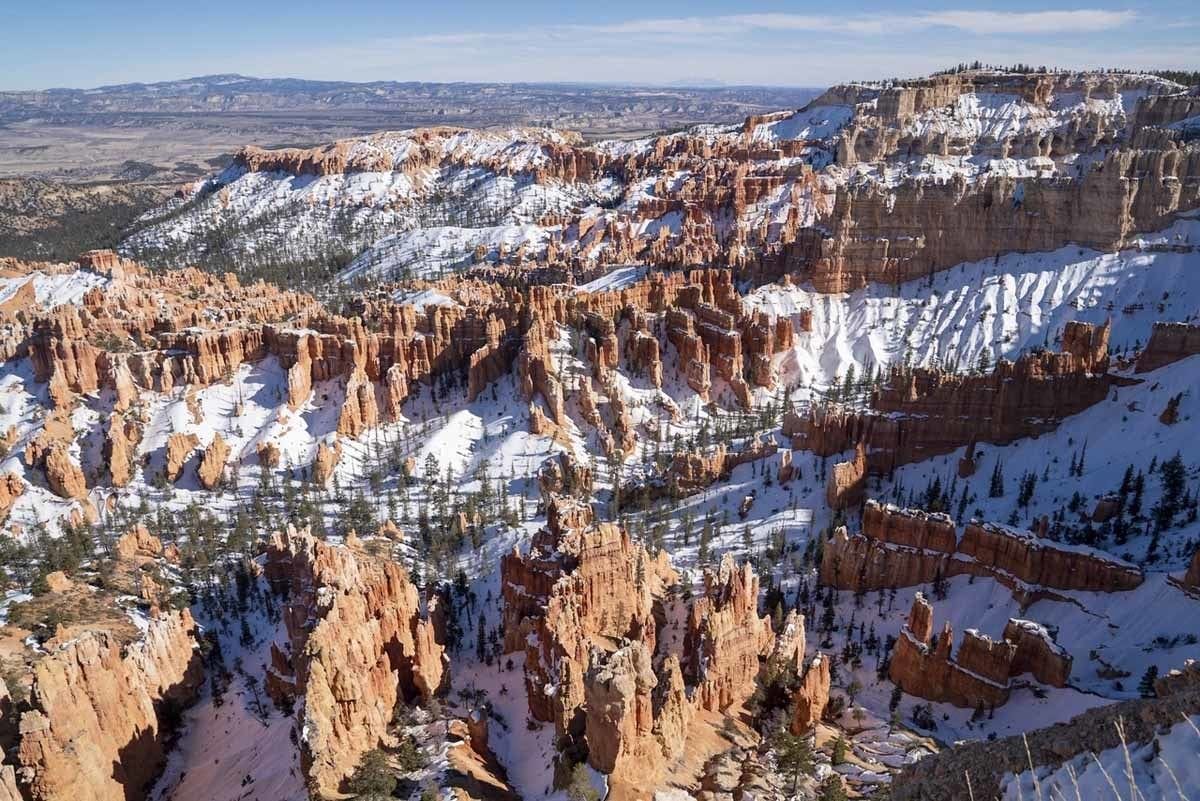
{"x": 1033, "y": 22}
{"x": 732, "y": 25}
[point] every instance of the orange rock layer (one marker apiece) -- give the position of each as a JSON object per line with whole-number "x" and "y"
{"x": 359, "y": 644}
{"x": 904, "y": 548}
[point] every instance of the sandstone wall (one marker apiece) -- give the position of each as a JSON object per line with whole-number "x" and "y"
{"x": 93, "y": 731}
{"x": 904, "y": 548}
{"x": 360, "y": 645}
{"x": 1169, "y": 342}
{"x": 979, "y": 673}
{"x": 920, "y": 413}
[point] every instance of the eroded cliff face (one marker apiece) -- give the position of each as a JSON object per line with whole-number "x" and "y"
{"x": 977, "y": 674}
{"x": 890, "y": 236}
{"x": 360, "y": 645}
{"x": 586, "y": 605}
{"x": 905, "y": 548}
{"x": 94, "y": 729}
{"x": 1169, "y": 342}
{"x": 868, "y": 183}
{"x": 150, "y": 333}
{"x": 919, "y": 413}
{"x": 726, "y": 639}
{"x": 583, "y": 584}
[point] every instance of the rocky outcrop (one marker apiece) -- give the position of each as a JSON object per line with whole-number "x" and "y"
{"x": 63, "y": 474}
{"x": 565, "y": 475}
{"x": 179, "y": 449}
{"x": 636, "y": 722}
{"x": 212, "y": 463}
{"x": 905, "y": 548}
{"x": 619, "y": 717}
{"x": 920, "y": 413}
{"x": 924, "y": 667}
{"x": 359, "y": 645}
{"x": 1192, "y": 577}
{"x": 94, "y": 729}
{"x": 11, "y": 488}
{"x": 268, "y": 454}
{"x": 586, "y": 605}
{"x": 812, "y": 696}
{"x": 138, "y": 544}
{"x": 326, "y": 462}
{"x": 120, "y": 448}
{"x": 1088, "y": 344}
{"x": 1169, "y": 342}
{"x": 726, "y": 640}
{"x": 977, "y": 676}
{"x": 1037, "y": 653}
{"x": 336, "y": 159}
{"x": 870, "y": 240}
{"x": 847, "y": 481}
{"x": 359, "y": 411}
{"x": 581, "y": 585}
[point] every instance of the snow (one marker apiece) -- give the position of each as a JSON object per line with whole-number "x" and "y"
{"x": 54, "y": 289}
{"x": 614, "y": 279}
{"x": 235, "y": 749}
{"x": 1165, "y": 769}
{"x": 429, "y": 252}
{"x": 811, "y": 122}
{"x": 425, "y": 298}
{"x": 1002, "y": 306}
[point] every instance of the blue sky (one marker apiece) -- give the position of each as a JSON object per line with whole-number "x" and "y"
{"x": 86, "y": 43}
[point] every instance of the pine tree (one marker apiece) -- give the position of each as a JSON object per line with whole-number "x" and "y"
{"x": 832, "y": 789}
{"x": 839, "y": 750}
{"x": 372, "y": 779}
{"x": 1146, "y": 685}
{"x": 793, "y": 755}
{"x": 996, "y": 484}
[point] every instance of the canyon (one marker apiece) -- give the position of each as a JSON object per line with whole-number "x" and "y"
{"x": 624, "y": 468}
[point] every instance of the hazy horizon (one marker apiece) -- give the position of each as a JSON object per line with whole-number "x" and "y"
{"x": 74, "y": 44}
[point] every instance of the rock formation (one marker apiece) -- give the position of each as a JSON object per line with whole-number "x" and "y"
{"x": 620, "y": 712}
{"x": 93, "y": 730}
{"x": 63, "y": 474}
{"x": 1037, "y": 653}
{"x": 359, "y": 645}
{"x": 837, "y": 206}
{"x": 1192, "y": 577}
{"x": 812, "y": 696}
{"x": 11, "y": 488}
{"x": 582, "y": 584}
{"x": 586, "y": 605}
{"x": 120, "y": 448}
{"x": 138, "y": 544}
{"x": 179, "y": 450}
{"x": 904, "y": 548}
{"x": 847, "y": 481}
{"x": 1169, "y": 342}
{"x": 726, "y": 639}
{"x": 325, "y": 462}
{"x": 212, "y": 463}
{"x": 977, "y": 676}
{"x": 919, "y": 413}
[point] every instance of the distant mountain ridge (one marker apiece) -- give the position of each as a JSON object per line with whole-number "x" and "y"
{"x": 231, "y": 92}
